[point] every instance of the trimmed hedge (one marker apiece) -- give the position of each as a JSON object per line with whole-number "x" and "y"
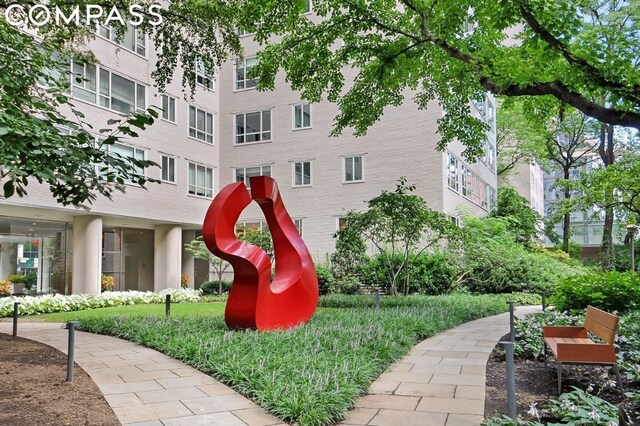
{"x": 612, "y": 291}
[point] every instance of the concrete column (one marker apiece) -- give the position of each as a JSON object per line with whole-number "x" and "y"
{"x": 167, "y": 259}
{"x": 87, "y": 255}
{"x": 188, "y": 264}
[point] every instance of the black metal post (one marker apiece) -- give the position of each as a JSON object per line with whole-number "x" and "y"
{"x": 71, "y": 348}
{"x": 544, "y": 301}
{"x": 15, "y": 318}
{"x": 511, "y": 379}
{"x": 512, "y": 331}
{"x": 167, "y": 305}
{"x": 377, "y": 299}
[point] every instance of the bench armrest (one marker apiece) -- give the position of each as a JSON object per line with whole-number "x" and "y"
{"x": 564, "y": 331}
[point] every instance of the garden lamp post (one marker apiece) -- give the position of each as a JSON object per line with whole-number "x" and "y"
{"x": 631, "y": 230}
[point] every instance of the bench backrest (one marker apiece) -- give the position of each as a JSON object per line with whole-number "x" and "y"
{"x": 601, "y": 323}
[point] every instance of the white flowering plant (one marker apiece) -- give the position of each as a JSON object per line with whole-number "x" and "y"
{"x": 32, "y": 305}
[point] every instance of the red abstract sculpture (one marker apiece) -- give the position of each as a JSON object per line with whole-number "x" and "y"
{"x": 254, "y": 301}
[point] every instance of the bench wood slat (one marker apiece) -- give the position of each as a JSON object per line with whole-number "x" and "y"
{"x": 564, "y": 331}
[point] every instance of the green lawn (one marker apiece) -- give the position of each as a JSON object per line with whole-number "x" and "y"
{"x": 311, "y": 374}
{"x": 178, "y": 310}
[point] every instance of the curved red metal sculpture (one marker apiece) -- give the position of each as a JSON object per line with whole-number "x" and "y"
{"x": 254, "y": 301}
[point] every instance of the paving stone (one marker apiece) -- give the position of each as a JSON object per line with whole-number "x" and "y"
{"x": 105, "y": 379}
{"x": 141, "y": 413}
{"x": 216, "y": 389}
{"x": 129, "y": 362}
{"x": 388, "y": 401}
{"x": 359, "y": 416}
{"x": 129, "y": 387}
{"x": 443, "y": 369}
{"x": 120, "y": 351}
{"x": 186, "y": 372}
{"x": 140, "y": 376}
{"x": 213, "y": 404}
{"x": 181, "y": 382}
{"x": 256, "y": 417}
{"x": 155, "y": 366}
{"x": 406, "y": 377}
{"x": 463, "y": 420}
{"x": 383, "y": 387}
{"x": 487, "y": 343}
{"x": 400, "y": 367}
{"x": 456, "y": 379}
{"x": 480, "y": 355}
{"x": 468, "y": 348}
{"x": 170, "y": 394}
{"x": 123, "y": 399}
{"x": 428, "y": 360}
{"x": 149, "y": 423}
{"x": 470, "y": 392}
{"x": 425, "y": 389}
{"x": 451, "y": 405}
{"x": 408, "y": 418}
{"x": 474, "y": 370}
{"x": 217, "y": 419}
{"x": 446, "y": 354}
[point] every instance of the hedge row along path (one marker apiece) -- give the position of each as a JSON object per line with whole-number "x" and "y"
{"x": 440, "y": 382}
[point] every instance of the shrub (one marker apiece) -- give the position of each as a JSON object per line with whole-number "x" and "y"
{"x": 107, "y": 282}
{"x": 184, "y": 281}
{"x": 611, "y": 291}
{"x": 213, "y": 287}
{"x": 349, "y": 285}
{"x": 428, "y": 273}
{"x": 17, "y": 279}
{"x": 326, "y": 281}
{"x": 5, "y": 288}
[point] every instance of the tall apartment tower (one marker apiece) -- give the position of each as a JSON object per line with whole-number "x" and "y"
{"x": 229, "y": 132}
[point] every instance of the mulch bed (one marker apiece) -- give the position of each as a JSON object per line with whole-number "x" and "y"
{"x": 537, "y": 384}
{"x": 34, "y": 390}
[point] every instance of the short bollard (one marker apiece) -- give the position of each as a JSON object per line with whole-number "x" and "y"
{"x": 15, "y": 318}
{"x": 512, "y": 333}
{"x": 71, "y": 348}
{"x": 544, "y": 302}
{"x": 167, "y": 305}
{"x": 511, "y": 379}
{"x": 377, "y": 300}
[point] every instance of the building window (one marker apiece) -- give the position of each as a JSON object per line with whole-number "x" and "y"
{"x": 169, "y": 108}
{"x": 203, "y": 78}
{"x": 342, "y": 223}
{"x": 168, "y": 169}
{"x": 242, "y": 228}
{"x": 84, "y": 82}
{"x": 132, "y": 39}
{"x": 253, "y": 127}
{"x": 353, "y": 169}
{"x": 200, "y": 180}
{"x": 298, "y": 224}
{"x": 242, "y": 69}
{"x": 302, "y": 173}
{"x": 121, "y": 94}
{"x": 124, "y": 151}
{"x": 452, "y": 173}
{"x": 302, "y": 116}
{"x": 200, "y": 124}
{"x": 243, "y": 174}
{"x": 308, "y": 6}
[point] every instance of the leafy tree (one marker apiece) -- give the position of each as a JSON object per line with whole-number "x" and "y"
{"x": 35, "y": 105}
{"x": 350, "y": 253}
{"x": 398, "y": 224}
{"x": 522, "y": 219}
{"x": 452, "y": 52}
{"x": 217, "y": 266}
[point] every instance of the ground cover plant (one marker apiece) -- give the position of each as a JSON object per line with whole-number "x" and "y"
{"x": 310, "y": 374}
{"x": 30, "y": 305}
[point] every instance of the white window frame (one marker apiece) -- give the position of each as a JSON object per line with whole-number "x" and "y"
{"x": 139, "y": 39}
{"x": 244, "y": 173}
{"x": 82, "y": 85}
{"x": 167, "y": 112}
{"x": 137, "y": 86}
{"x": 171, "y": 161}
{"x": 136, "y": 150}
{"x": 201, "y": 73}
{"x": 455, "y": 177}
{"x": 299, "y": 224}
{"x": 309, "y": 7}
{"x": 293, "y": 171}
{"x": 206, "y": 132}
{"x": 208, "y": 192}
{"x": 294, "y": 109}
{"x": 245, "y": 80}
{"x": 344, "y": 168}
{"x": 261, "y": 132}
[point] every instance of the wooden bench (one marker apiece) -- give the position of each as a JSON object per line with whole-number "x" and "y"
{"x": 572, "y": 345}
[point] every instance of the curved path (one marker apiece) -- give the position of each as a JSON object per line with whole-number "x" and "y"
{"x": 440, "y": 382}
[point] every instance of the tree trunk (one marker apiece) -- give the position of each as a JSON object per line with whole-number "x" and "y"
{"x": 566, "y": 223}
{"x": 607, "y": 155}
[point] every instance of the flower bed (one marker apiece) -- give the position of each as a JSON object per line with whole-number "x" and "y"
{"x": 31, "y": 305}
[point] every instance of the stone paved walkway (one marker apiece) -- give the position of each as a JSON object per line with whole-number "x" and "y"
{"x": 145, "y": 387}
{"x": 440, "y": 382}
